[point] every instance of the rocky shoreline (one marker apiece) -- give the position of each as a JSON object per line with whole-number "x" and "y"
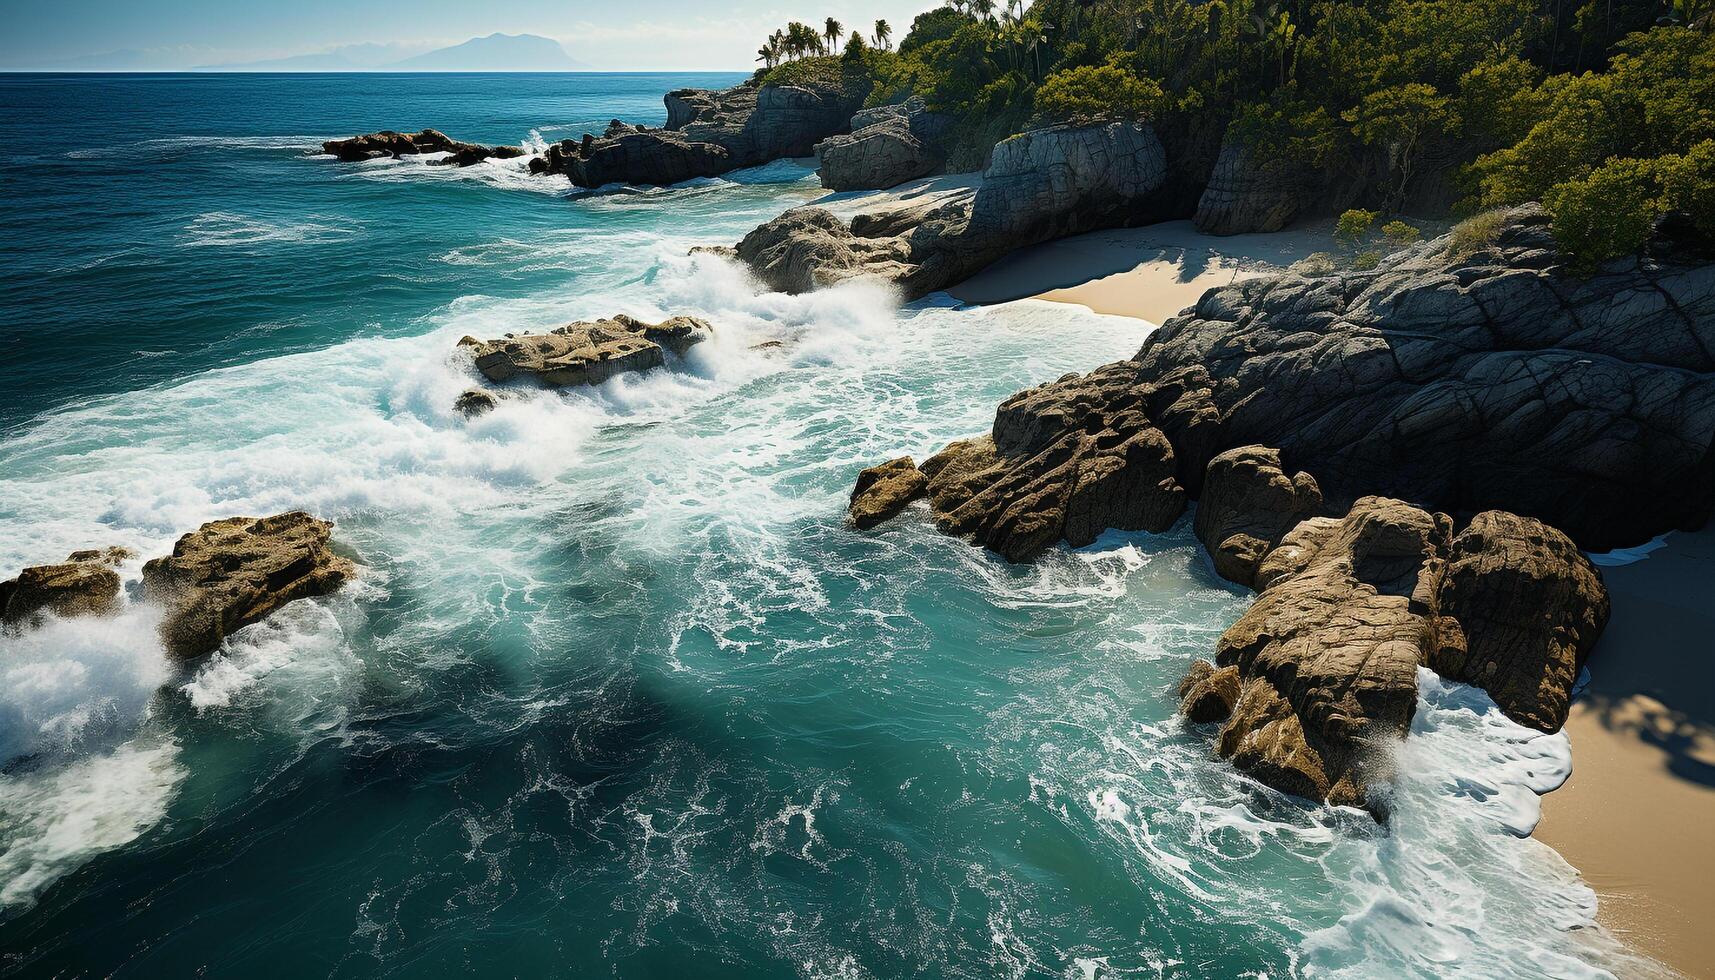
{"x": 1404, "y": 463}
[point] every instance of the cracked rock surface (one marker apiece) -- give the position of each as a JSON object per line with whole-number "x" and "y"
{"x": 587, "y": 352}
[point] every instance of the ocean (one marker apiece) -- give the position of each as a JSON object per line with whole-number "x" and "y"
{"x": 617, "y": 693}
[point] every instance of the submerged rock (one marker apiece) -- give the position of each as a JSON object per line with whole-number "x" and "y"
{"x": 230, "y": 573}
{"x": 85, "y": 584}
{"x": 475, "y": 401}
{"x": 1039, "y": 185}
{"x": 587, "y": 352}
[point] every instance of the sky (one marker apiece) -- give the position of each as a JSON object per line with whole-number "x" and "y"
{"x": 164, "y": 35}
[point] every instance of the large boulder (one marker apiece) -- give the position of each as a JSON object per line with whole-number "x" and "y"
{"x": 1064, "y": 462}
{"x": 1039, "y": 185}
{"x": 230, "y": 573}
{"x": 1247, "y": 194}
{"x": 1529, "y": 606}
{"x": 1328, "y": 653}
{"x": 587, "y": 352}
{"x": 86, "y": 583}
{"x": 659, "y": 157}
{"x": 1248, "y": 503}
{"x": 888, "y": 145}
{"x": 1465, "y": 375}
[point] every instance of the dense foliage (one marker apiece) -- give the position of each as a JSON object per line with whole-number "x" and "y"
{"x": 1602, "y": 109}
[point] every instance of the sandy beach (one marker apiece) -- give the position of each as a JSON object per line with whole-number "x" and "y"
{"x": 1150, "y": 273}
{"x": 1637, "y": 818}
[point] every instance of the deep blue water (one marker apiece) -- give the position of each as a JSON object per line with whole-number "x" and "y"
{"x": 617, "y": 693}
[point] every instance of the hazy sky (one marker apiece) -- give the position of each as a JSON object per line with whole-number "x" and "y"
{"x": 640, "y": 34}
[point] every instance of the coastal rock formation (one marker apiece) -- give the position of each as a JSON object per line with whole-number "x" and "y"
{"x": 387, "y": 143}
{"x": 1245, "y": 194}
{"x": 883, "y": 491}
{"x": 707, "y": 133}
{"x": 587, "y": 352}
{"x": 86, "y": 583}
{"x": 1065, "y": 461}
{"x": 1466, "y": 376}
{"x": 1248, "y": 504}
{"x": 1039, "y": 185}
{"x": 230, "y": 573}
{"x": 888, "y": 145}
{"x": 475, "y": 401}
{"x": 1207, "y": 693}
{"x": 1530, "y": 608}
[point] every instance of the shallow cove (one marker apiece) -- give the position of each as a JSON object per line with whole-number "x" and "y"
{"x": 618, "y": 693}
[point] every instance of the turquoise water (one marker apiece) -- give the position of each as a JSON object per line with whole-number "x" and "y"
{"x": 617, "y": 693}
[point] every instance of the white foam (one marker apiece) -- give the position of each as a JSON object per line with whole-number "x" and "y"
{"x": 54, "y": 820}
{"x": 224, "y": 229}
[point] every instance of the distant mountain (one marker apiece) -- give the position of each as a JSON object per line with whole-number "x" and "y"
{"x": 346, "y": 57}
{"x": 496, "y": 52}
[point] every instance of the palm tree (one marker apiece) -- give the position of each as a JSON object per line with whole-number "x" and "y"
{"x": 883, "y": 35}
{"x": 832, "y": 31}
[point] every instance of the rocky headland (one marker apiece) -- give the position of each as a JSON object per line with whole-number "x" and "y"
{"x": 1403, "y": 462}
{"x": 218, "y": 579}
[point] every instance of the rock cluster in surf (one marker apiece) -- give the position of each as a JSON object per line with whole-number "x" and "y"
{"x": 583, "y": 353}
{"x": 388, "y": 144}
{"x": 219, "y": 578}
{"x": 1479, "y": 381}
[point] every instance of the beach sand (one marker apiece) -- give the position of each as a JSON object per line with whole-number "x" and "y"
{"x": 1637, "y": 818}
{"x": 1150, "y": 273}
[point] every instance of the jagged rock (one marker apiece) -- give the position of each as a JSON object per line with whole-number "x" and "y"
{"x": 1039, "y": 185}
{"x": 84, "y": 584}
{"x": 1248, "y": 504}
{"x": 1065, "y": 461}
{"x": 475, "y": 401}
{"x": 1328, "y": 654}
{"x": 1529, "y": 607}
{"x": 390, "y": 144}
{"x": 888, "y": 145}
{"x": 230, "y": 573}
{"x": 883, "y": 491}
{"x": 708, "y": 133}
{"x": 1208, "y": 693}
{"x": 1463, "y": 377}
{"x": 587, "y": 352}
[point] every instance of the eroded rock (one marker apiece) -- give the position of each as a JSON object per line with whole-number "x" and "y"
{"x": 230, "y": 573}
{"x": 884, "y": 490}
{"x": 85, "y": 584}
{"x": 587, "y": 352}
{"x": 1248, "y": 504}
{"x": 887, "y": 146}
{"x": 388, "y": 143}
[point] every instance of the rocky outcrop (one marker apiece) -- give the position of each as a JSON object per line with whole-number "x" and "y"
{"x": 1207, "y": 693}
{"x": 228, "y": 574}
{"x": 387, "y": 143}
{"x": 1039, "y": 185}
{"x": 475, "y": 401}
{"x": 1248, "y": 504}
{"x": 1529, "y": 609}
{"x": 1064, "y": 462}
{"x": 586, "y": 352}
{"x": 86, "y": 583}
{"x": 885, "y": 490}
{"x": 887, "y": 146}
{"x": 1464, "y": 376}
{"x": 707, "y": 133}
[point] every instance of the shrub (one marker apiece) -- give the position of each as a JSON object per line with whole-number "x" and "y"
{"x": 1354, "y": 226}
{"x": 1608, "y": 213}
{"x": 1477, "y": 232}
{"x": 1365, "y": 261}
{"x": 1688, "y": 184}
{"x": 1399, "y": 234}
{"x": 1097, "y": 93}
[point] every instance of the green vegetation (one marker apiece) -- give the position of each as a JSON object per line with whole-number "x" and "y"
{"x": 1603, "y": 111}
